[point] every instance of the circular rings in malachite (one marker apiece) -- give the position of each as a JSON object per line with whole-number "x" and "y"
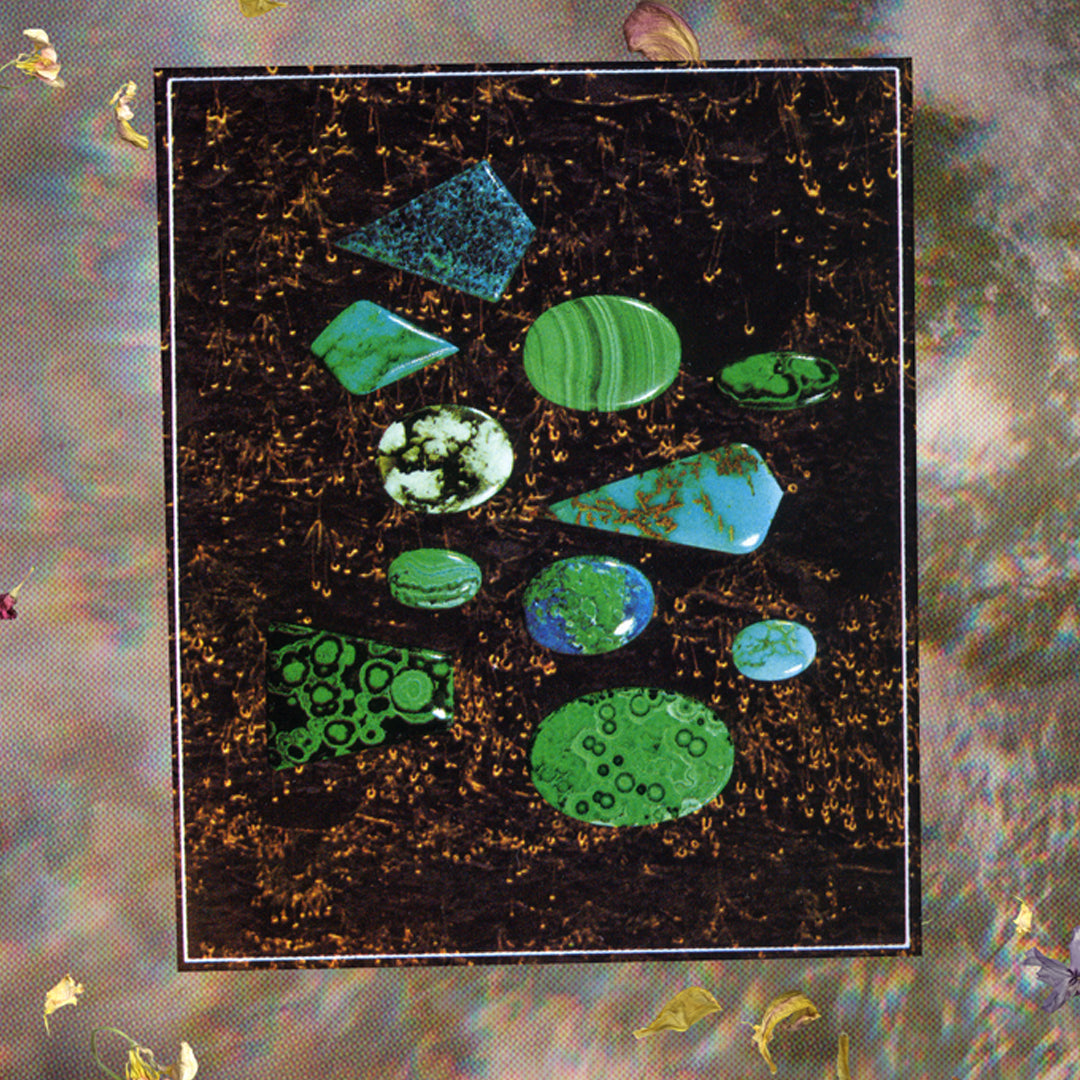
{"x": 602, "y": 352}
{"x": 632, "y": 756}
{"x": 433, "y": 578}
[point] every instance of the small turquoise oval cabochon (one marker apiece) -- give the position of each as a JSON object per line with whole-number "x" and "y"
{"x": 773, "y": 650}
{"x": 587, "y": 604}
{"x": 632, "y": 756}
{"x": 433, "y": 578}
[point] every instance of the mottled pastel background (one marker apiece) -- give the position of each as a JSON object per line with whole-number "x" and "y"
{"x": 86, "y": 874}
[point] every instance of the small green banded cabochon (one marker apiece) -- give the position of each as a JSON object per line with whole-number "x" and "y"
{"x": 602, "y": 352}
{"x": 632, "y": 756}
{"x": 433, "y": 578}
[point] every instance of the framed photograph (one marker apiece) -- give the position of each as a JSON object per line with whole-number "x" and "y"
{"x": 540, "y": 466}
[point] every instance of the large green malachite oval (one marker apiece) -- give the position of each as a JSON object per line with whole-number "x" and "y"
{"x": 602, "y": 352}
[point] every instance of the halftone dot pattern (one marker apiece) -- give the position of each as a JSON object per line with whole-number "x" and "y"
{"x": 86, "y": 879}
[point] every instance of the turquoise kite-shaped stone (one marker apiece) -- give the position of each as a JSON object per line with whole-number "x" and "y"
{"x": 467, "y": 233}
{"x": 722, "y": 500}
{"x": 367, "y": 347}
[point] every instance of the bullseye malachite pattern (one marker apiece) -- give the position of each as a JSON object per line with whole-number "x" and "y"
{"x": 329, "y": 694}
{"x": 602, "y": 352}
{"x": 631, "y": 756}
{"x": 433, "y": 578}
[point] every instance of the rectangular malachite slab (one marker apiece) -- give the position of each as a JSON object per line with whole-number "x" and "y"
{"x": 467, "y": 233}
{"x": 723, "y": 500}
{"x": 367, "y": 347}
{"x": 329, "y": 694}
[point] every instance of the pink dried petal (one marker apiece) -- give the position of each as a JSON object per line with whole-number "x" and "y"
{"x": 7, "y": 606}
{"x": 659, "y": 33}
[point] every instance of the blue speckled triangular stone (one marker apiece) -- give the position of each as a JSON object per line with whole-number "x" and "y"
{"x": 467, "y": 233}
{"x": 722, "y": 500}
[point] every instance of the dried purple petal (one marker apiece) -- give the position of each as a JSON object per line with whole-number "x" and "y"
{"x": 1064, "y": 981}
{"x": 659, "y": 33}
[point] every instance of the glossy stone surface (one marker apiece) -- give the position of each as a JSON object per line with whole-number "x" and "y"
{"x": 433, "y": 578}
{"x": 467, "y": 233}
{"x": 328, "y": 695}
{"x": 631, "y": 756}
{"x": 367, "y": 347}
{"x": 602, "y": 352}
{"x": 444, "y": 459}
{"x": 722, "y": 500}
{"x": 778, "y": 380}
{"x": 587, "y": 605}
{"x": 774, "y": 649}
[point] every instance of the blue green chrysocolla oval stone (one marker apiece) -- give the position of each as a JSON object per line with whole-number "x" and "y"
{"x": 602, "y": 352}
{"x": 632, "y": 756}
{"x": 433, "y": 578}
{"x": 773, "y": 650}
{"x": 587, "y": 604}
{"x": 778, "y": 380}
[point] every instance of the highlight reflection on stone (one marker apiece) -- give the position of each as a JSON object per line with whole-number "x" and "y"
{"x": 467, "y": 233}
{"x": 367, "y": 347}
{"x": 602, "y": 352}
{"x": 722, "y": 500}
{"x": 778, "y": 381}
{"x": 774, "y": 649}
{"x": 329, "y": 694}
{"x": 631, "y": 756}
{"x": 444, "y": 459}
{"x": 587, "y": 605}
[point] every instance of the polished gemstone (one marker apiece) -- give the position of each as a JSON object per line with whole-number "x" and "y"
{"x": 367, "y": 347}
{"x": 444, "y": 458}
{"x": 722, "y": 500}
{"x": 587, "y": 604}
{"x": 602, "y": 352}
{"x": 330, "y": 694}
{"x": 778, "y": 380}
{"x": 467, "y": 233}
{"x": 433, "y": 578}
{"x": 632, "y": 756}
{"x": 774, "y": 649}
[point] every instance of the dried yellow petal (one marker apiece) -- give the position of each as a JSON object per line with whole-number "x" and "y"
{"x": 685, "y": 1008}
{"x": 37, "y": 35}
{"x": 843, "y": 1066}
{"x": 65, "y": 992}
{"x": 794, "y": 1006}
{"x": 1022, "y": 922}
{"x": 659, "y": 33}
{"x": 259, "y": 7}
{"x": 186, "y": 1066}
{"x": 132, "y": 136}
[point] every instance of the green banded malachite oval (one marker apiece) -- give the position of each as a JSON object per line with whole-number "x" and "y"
{"x": 602, "y": 352}
{"x": 433, "y": 578}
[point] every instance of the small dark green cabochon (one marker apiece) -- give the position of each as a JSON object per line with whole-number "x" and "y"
{"x": 778, "y": 381}
{"x": 631, "y": 756}
{"x": 433, "y": 578}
